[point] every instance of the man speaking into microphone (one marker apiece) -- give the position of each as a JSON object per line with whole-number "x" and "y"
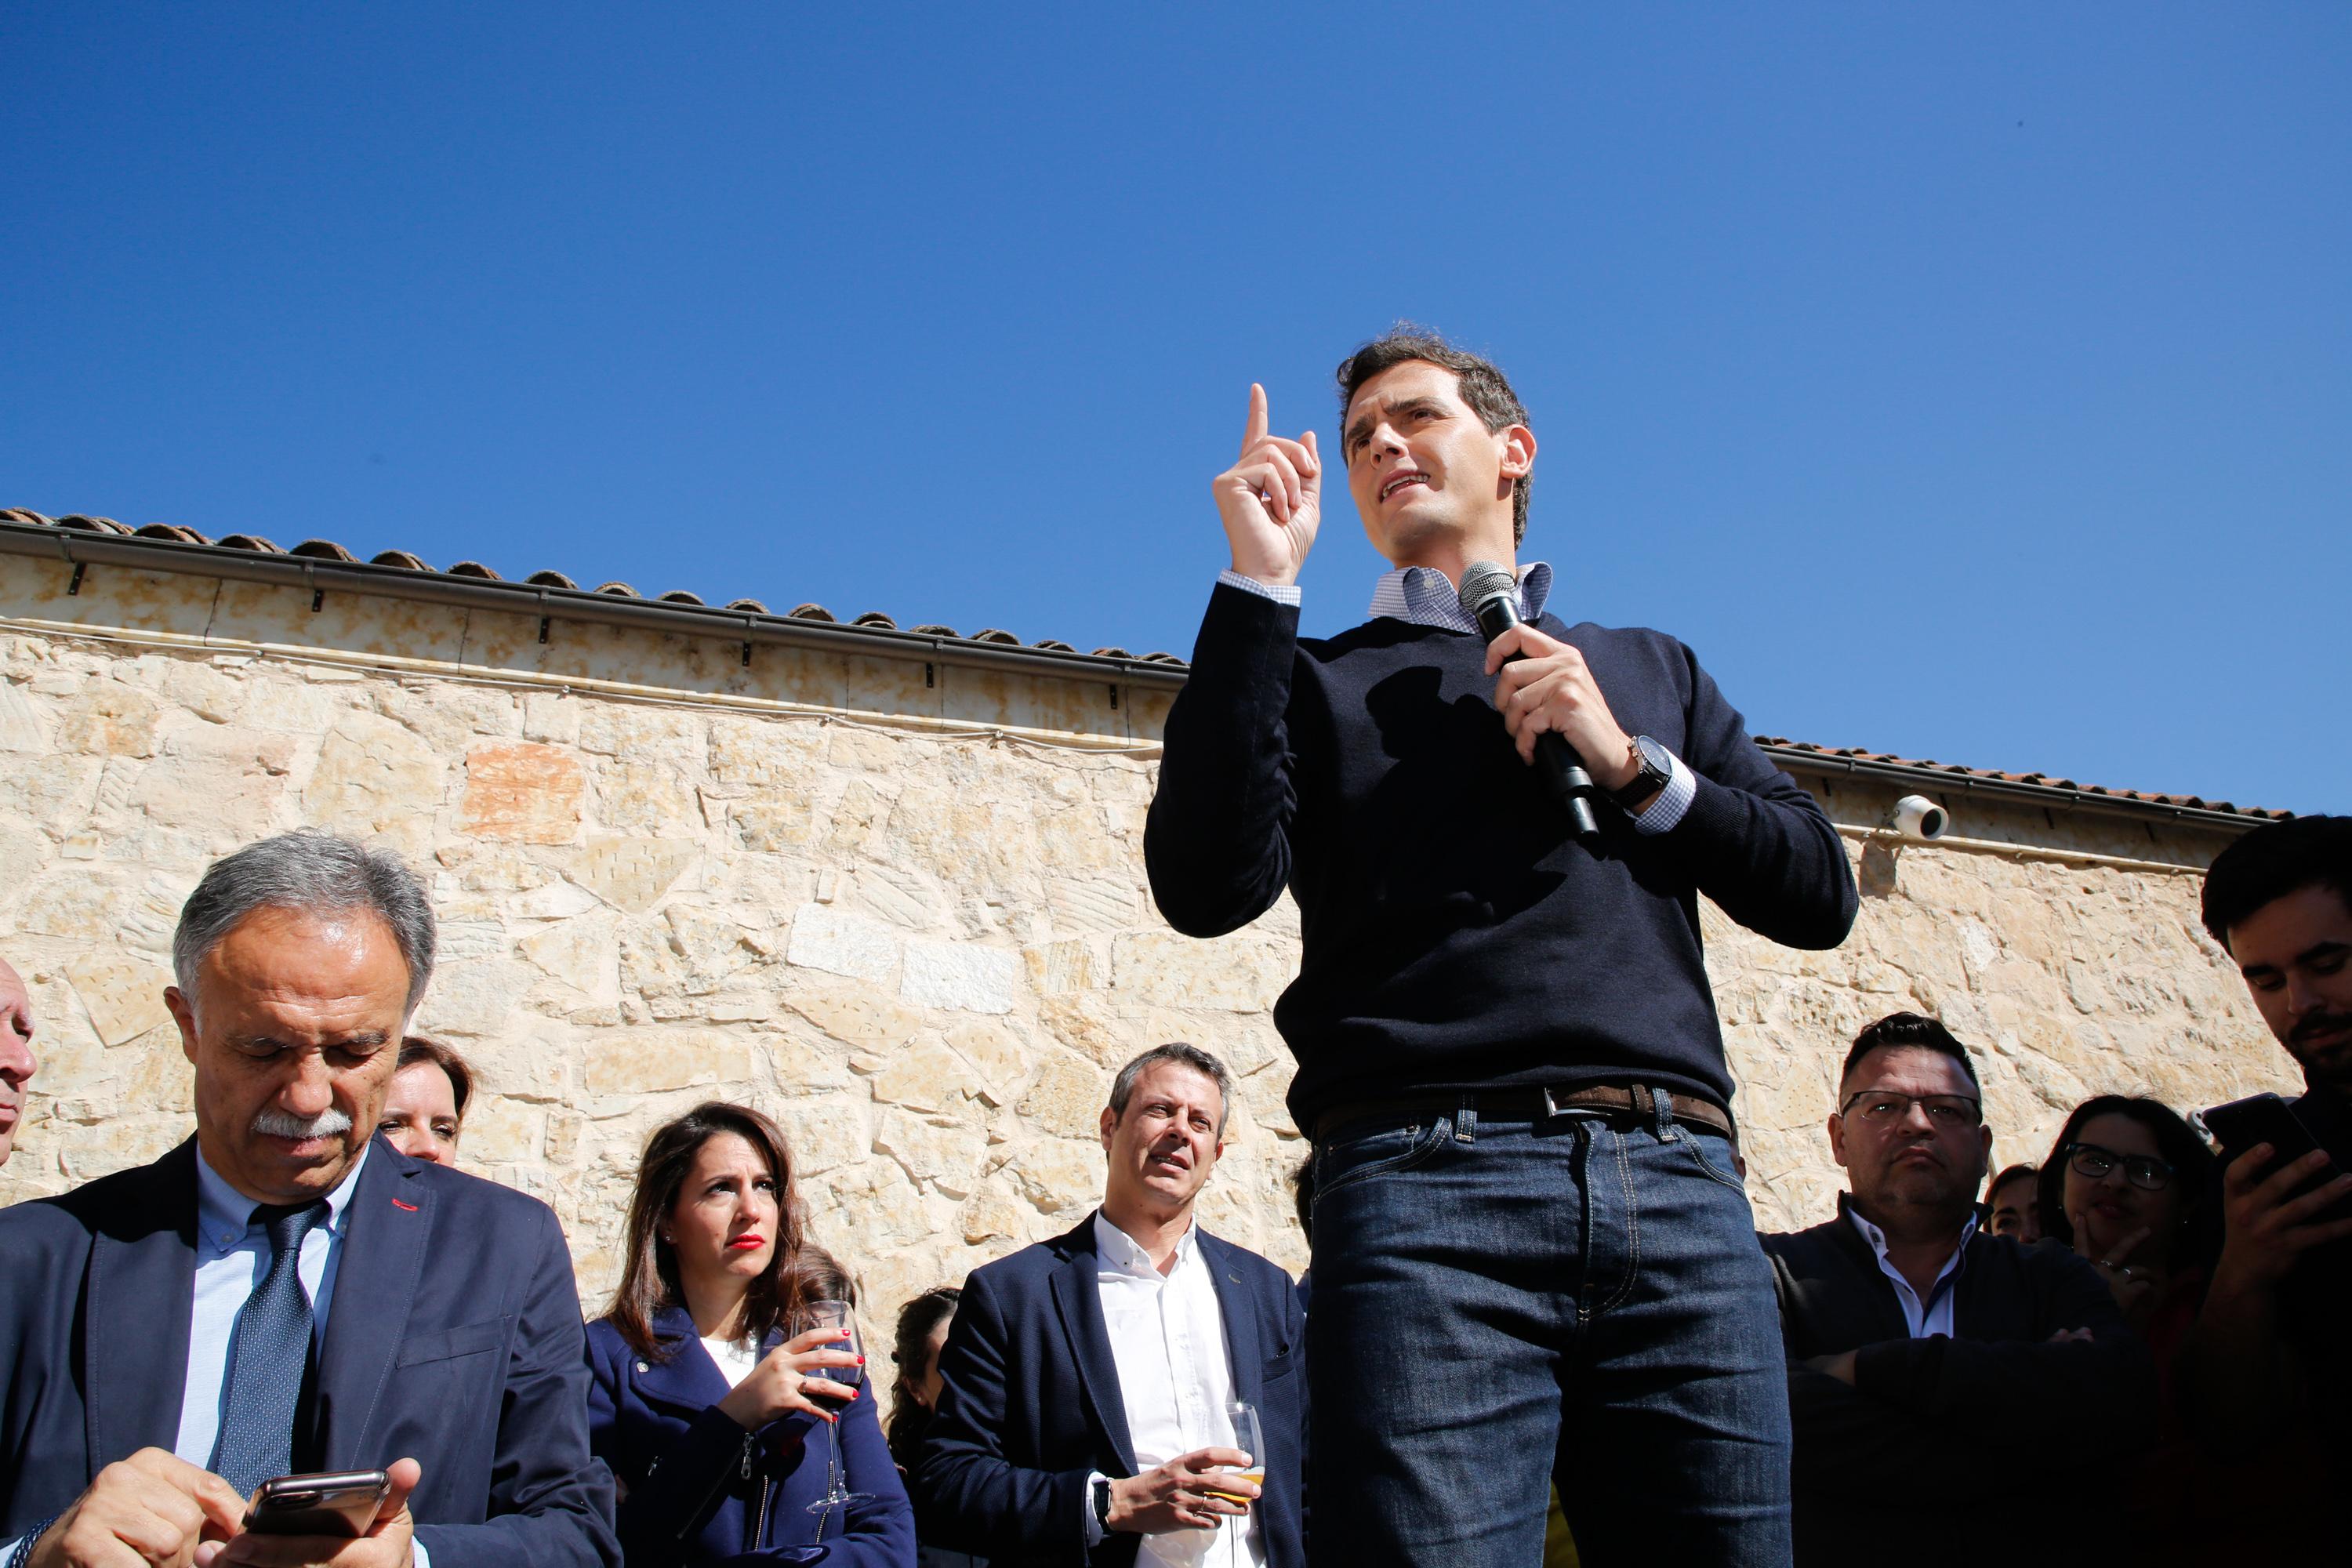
{"x": 1534, "y": 1260}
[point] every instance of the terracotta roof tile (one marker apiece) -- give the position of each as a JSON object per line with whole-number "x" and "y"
{"x": 874, "y": 620}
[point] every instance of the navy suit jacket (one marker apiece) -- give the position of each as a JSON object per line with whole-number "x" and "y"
{"x": 701, "y": 1489}
{"x": 453, "y": 1339}
{"x": 1030, "y": 1404}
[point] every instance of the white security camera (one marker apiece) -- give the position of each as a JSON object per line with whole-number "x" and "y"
{"x": 1916, "y": 816}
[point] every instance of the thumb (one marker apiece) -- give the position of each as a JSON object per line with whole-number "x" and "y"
{"x": 405, "y": 1474}
{"x": 1314, "y": 478}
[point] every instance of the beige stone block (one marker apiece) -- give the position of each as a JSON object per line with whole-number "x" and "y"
{"x": 926, "y": 1076}
{"x": 634, "y": 874}
{"x": 374, "y": 779}
{"x": 776, "y": 823}
{"x": 1067, "y": 1099}
{"x": 105, "y": 905}
{"x": 997, "y": 1053}
{"x": 768, "y": 754}
{"x": 59, "y": 792}
{"x": 943, "y": 1155}
{"x": 522, "y": 792}
{"x": 24, "y": 728}
{"x": 502, "y": 1130}
{"x": 647, "y": 1062}
{"x": 108, "y": 718}
{"x": 993, "y": 1214}
{"x": 1057, "y": 966}
{"x": 473, "y": 998}
{"x": 581, "y": 954}
{"x": 1058, "y": 1175}
{"x": 122, "y": 991}
{"x": 647, "y": 797}
{"x": 856, "y": 1014}
{"x": 1235, "y": 973}
{"x": 1088, "y": 1023}
{"x": 827, "y": 1133}
{"x": 551, "y": 717}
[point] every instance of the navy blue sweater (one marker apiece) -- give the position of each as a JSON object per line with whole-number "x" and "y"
{"x": 1456, "y": 936}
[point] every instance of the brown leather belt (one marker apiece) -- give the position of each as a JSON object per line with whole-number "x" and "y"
{"x": 1535, "y": 1105}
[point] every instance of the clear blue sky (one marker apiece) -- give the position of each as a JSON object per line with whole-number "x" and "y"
{"x": 1965, "y": 382}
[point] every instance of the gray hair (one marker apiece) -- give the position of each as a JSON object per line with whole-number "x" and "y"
{"x": 313, "y": 872}
{"x": 1122, "y": 1088}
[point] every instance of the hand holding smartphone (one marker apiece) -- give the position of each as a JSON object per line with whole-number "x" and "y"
{"x": 335, "y": 1503}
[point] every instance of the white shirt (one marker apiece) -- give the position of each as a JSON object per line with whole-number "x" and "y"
{"x": 1175, "y": 1378}
{"x": 1421, "y": 596}
{"x": 1935, "y": 1315}
{"x": 734, "y": 1358}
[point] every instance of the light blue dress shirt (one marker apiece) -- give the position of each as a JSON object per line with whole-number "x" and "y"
{"x": 1422, "y": 596}
{"x": 231, "y": 1257}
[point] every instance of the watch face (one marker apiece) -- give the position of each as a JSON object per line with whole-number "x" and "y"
{"x": 1653, "y": 755}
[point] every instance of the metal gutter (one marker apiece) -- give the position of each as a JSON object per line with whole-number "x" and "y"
{"x": 78, "y": 546}
{"x": 1947, "y": 786}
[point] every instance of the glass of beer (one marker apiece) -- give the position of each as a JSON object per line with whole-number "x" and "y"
{"x": 1240, "y": 1420}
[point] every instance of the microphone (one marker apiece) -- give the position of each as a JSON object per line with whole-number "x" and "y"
{"x": 1490, "y": 597}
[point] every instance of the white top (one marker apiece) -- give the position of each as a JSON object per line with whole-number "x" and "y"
{"x": 734, "y": 1358}
{"x": 1935, "y": 1317}
{"x": 1175, "y": 1378}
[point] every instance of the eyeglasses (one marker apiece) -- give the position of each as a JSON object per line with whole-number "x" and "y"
{"x": 2144, "y": 1171}
{"x": 1885, "y": 1108}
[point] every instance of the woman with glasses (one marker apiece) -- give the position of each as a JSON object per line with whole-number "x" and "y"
{"x": 725, "y": 1391}
{"x": 2130, "y": 1187}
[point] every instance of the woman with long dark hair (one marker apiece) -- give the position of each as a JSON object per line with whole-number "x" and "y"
{"x": 2130, "y": 1187}
{"x": 729, "y": 1403}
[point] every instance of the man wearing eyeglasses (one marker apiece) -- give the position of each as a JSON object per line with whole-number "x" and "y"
{"x": 1916, "y": 1340}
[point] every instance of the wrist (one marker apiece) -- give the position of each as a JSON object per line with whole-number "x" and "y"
{"x": 1616, "y": 766}
{"x": 1284, "y": 576}
{"x": 1118, "y": 1514}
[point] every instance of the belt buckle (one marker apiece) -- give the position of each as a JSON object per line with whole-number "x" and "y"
{"x": 1552, "y": 1106}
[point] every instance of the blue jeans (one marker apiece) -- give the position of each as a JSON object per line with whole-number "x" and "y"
{"x": 1499, "y": 1306}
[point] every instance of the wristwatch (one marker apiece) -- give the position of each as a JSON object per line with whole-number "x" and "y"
{"x": 1102, "y": 1501}
{"x": 1657, "y": 771}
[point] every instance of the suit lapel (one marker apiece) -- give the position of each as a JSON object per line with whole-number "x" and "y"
{"x": 690, "y": 1378}
{"x": 376, "y": 1277}
{"x": 140, "y": 1295}
{"x": 1077, "y": 1296}
{"x": 1238, "y": 1307}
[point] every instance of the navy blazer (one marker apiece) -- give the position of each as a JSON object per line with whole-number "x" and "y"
{"x": 453, "y": 1339}
{"x": 1030, "y": 1404}
{"x": 697, "y": 1489}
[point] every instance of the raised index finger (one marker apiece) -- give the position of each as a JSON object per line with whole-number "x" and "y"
{"x": 1254, "y": 431}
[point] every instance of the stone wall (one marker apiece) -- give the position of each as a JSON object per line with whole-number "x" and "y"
{"x": 911, "y": 925}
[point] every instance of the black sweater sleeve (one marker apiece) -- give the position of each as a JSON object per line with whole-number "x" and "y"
{"x": 1217, "y": 840}
{"x": 1753, "y": 840}
{"x": 1995, "y": 1389}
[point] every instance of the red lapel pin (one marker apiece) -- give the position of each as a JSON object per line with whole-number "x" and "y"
{"x": 398, "y": 1204}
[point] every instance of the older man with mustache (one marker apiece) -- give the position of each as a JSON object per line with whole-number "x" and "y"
{"x": 1917, "y": 1340}
{"x": 284, "y": 1292}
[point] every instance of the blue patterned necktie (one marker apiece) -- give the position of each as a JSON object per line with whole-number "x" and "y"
{"x": 269, "y": 1357}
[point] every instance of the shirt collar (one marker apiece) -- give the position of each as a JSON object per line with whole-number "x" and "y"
{"x": 1877, "y": 1238}
{"x": 1422, "y": 596}
{"x": 225, "y": 1216}
{"x": 1124, "y": 1253}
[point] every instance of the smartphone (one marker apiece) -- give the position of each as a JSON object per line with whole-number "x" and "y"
{"x": 2260, "y": 1118}
{"x": 341, "y": 1502}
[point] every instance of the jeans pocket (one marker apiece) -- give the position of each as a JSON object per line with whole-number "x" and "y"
{"x": 1717, "y": 1162}
{"x": 1375, "y": 1148}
